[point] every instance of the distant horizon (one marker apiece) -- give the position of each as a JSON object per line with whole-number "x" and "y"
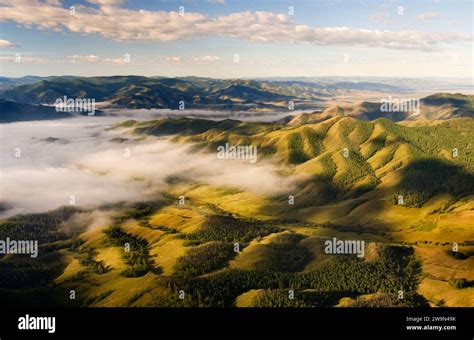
{"x": 242, "y": 78}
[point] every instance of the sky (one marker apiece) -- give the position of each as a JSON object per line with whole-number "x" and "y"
{"x": 237, "y": 38}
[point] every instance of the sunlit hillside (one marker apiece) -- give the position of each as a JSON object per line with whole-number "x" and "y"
{"x": 400, "y": 187}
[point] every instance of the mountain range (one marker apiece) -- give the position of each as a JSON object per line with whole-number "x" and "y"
{"x": 15, "y": 112}
{"x": 434, "y": 107}
{"x": 206, "y": 93}
{"x": 138, "y": 92}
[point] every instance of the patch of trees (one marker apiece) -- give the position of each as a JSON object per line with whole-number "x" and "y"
{"x": 423, "y": 179}
{"x": 44, "y": 227}
{"x": 329, "y": 166}
{"x": 221, "y": 289}
{"x": 285, "y": 254}
{"x": 315, "y": 141}
{"x": 204, "y": 259}
{"x": 138, "y": 295}
{"x": 363, "y": 131}
{"x": 429, "y": 141}
{"x": 461, "y": 283}
{"x": 358, "y": 228}
{"x": 135, "y": 251}
{"x": 95, "y": 299}
{"x": 70, "y": 244}
{"x": 166, "y": 230}
{"x": 281, "y": 299}
{"x": 296, "y": 154}
{"x": 392, "y": 300}
{"x": 396, "y": 270}
{"x": 457, "y": 255}
{"x": 267, "y": 150}
{"x": 140, "y": 210}
{"x": 88, "y": 260}
{"x": 376, "y": 144}
{"x": 28, "y": 272}
{"x": 229, "y": 229}
{"x": 357, "y": 169}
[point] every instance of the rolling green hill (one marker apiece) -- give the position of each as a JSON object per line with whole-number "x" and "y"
{"x": 348, "y": 174}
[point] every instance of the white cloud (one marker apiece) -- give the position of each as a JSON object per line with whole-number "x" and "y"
{"x": 83, "y": 58}
{"x": 5, "y": 43}
{"x": 173, "y": 59}
{"x": 25, "y": 59}
{"x": 427, "y": 16}
{"x": 86, "y": 163}
{"x": 121, "y": 24}
{"x": 73, "y": 59}
{"x": 94, "y": 59}
{"x": 106, "y": 3}
{"x": 207, "y": 59}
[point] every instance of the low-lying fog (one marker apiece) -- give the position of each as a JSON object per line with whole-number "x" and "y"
{"x": 261, "y": 116}
{"x": 77, "y": 157}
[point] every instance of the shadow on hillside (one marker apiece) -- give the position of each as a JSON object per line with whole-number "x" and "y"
{"x": 419, "y": 181}
{"x": 316, "y": 191}
{"x": 422, "y": 179}
{"x": 379, "y": 143}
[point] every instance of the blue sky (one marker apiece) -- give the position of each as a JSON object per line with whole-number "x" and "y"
{"x": 321, "y": 38}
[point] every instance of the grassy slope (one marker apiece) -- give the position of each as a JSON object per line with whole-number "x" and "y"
{"x": 359, "y": 189}
{"x": 382, "y": 153}
{"x": 349, "y": 197}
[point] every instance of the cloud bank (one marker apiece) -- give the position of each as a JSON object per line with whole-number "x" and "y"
{"x": 77, "y": 157}
{"x": 109, "y": 19}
